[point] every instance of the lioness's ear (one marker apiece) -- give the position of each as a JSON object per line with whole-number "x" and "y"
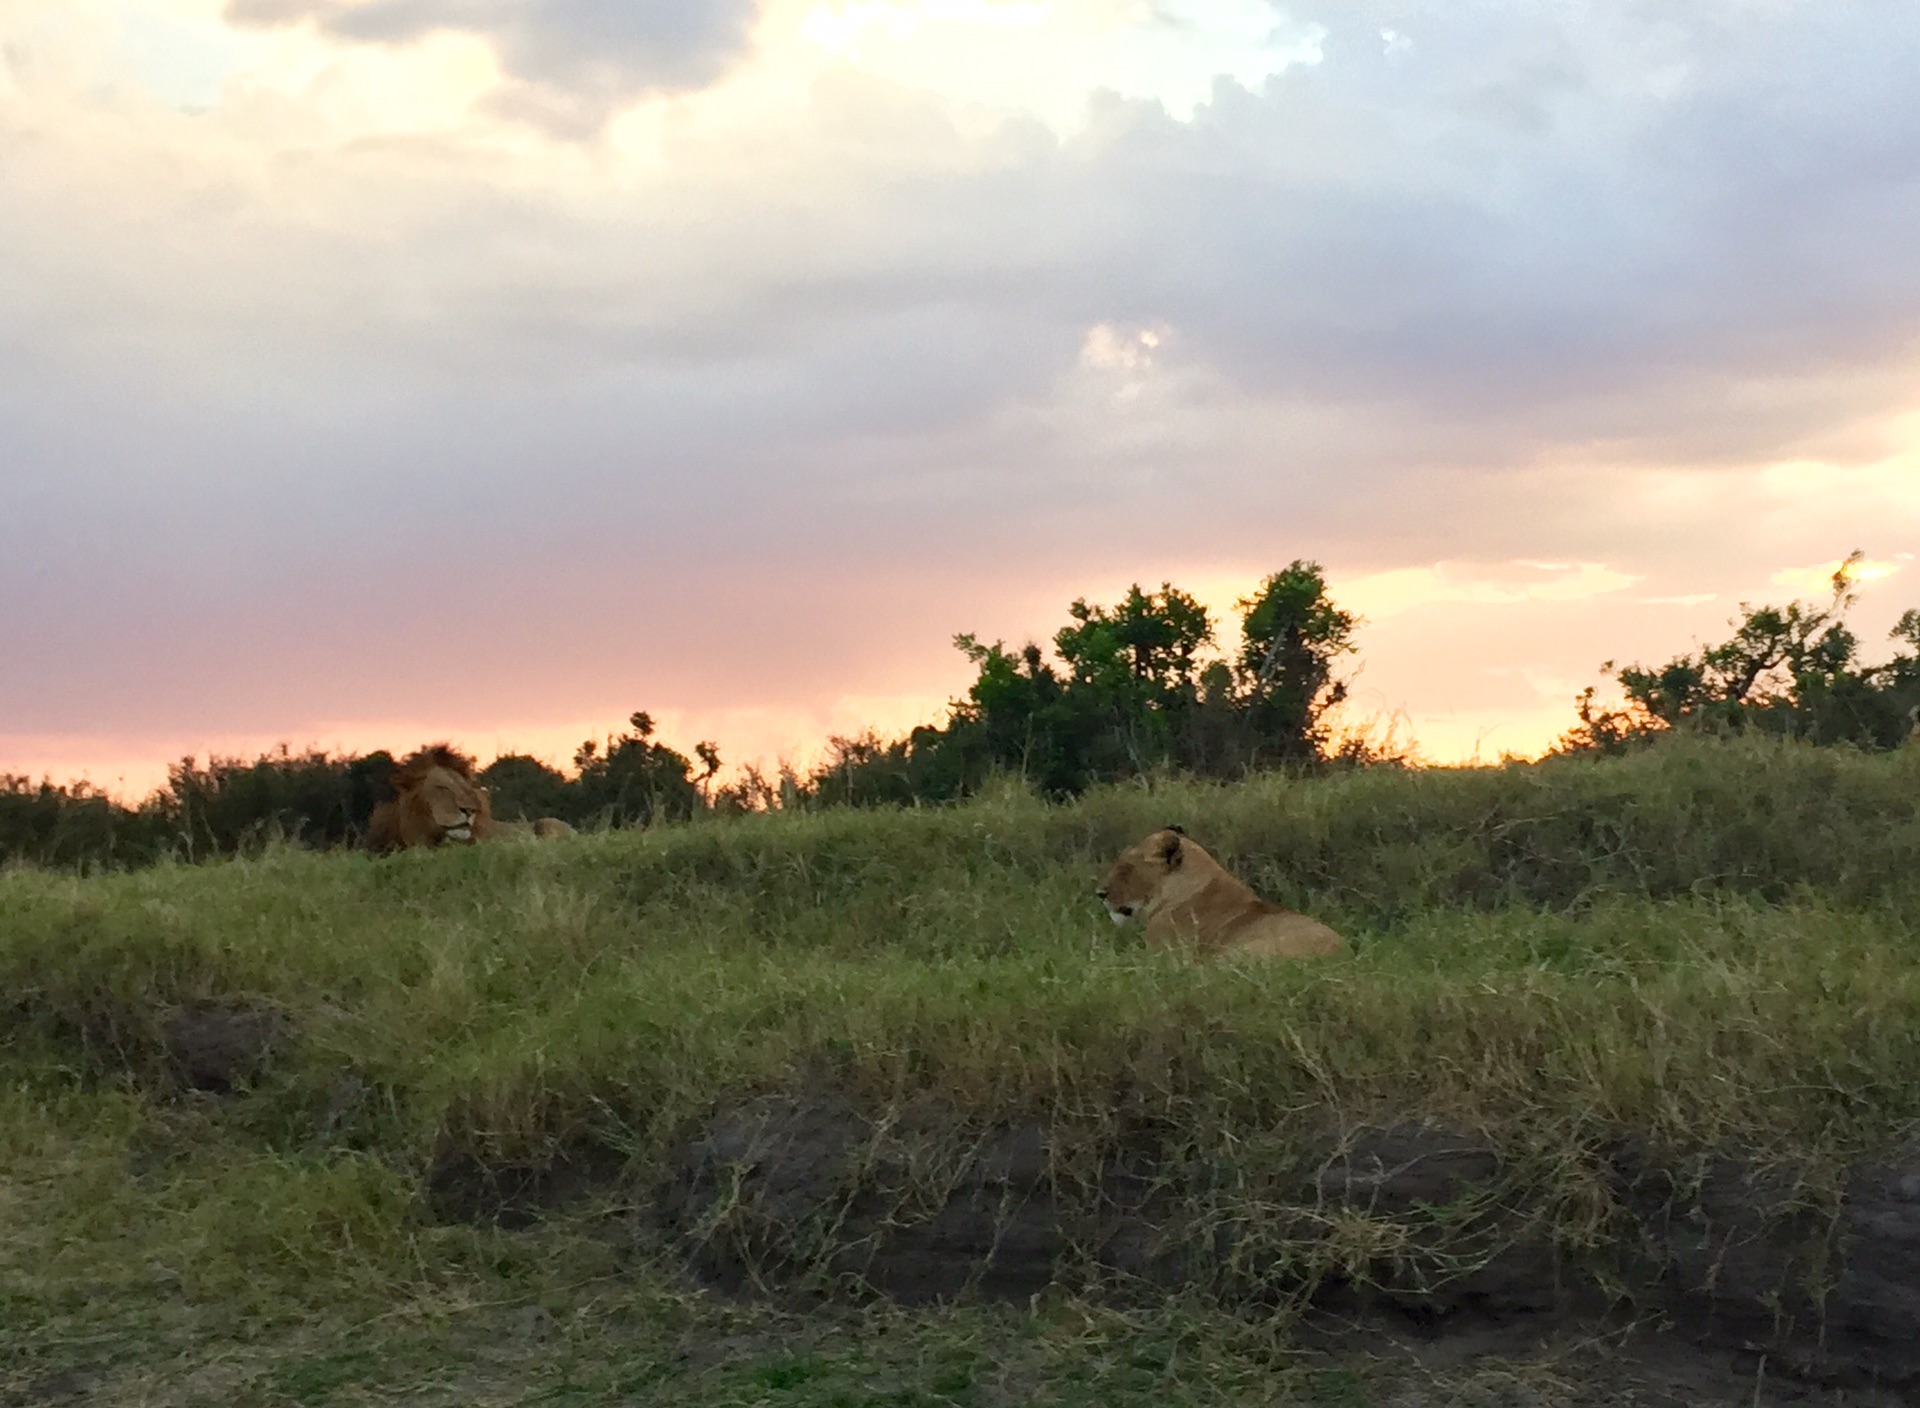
{"x": 1175, "y": 827}
{"x": 1170, "y": 848}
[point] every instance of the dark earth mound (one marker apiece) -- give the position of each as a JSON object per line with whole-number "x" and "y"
{"x": 221, "y": 1047}
{"x": 812, "y": 1196}
{"x": 462, "y": 1187}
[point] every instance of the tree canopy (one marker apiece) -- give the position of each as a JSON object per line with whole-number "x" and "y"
{"x": 1127, "y": 689}
{"x": 1793, "y": 670}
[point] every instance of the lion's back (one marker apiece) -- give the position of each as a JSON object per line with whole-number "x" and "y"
{"x": 1231, "y": 918}
{"x": 1283, "y": 933}
{"x": 546, "y": 828}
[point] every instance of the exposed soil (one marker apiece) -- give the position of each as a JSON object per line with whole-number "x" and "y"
{"x": 462, "y": 1187}
{"x": 1756, "y": 1279}
{"x": 223, "y": 1048}
{"x": 1570, "y": 1364}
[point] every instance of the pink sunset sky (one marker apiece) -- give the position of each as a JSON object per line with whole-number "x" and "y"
{"x": 374, "y": 371}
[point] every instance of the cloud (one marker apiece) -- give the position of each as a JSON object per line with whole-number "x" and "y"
{"x": 1378, "y": 595}
{"x": 1589, "y": 223}
{"x": 1046, "y": 57}
{"x": 1522, "y": 231}
{"x": 1817, "y": 581}
{"x": 654, "y": 392}
{"x": 572, "y": 61}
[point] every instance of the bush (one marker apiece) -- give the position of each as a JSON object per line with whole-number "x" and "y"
{"x": 74, "y": 825}
{"x": 230, "y": 805}
{"x": 524, "y": 789}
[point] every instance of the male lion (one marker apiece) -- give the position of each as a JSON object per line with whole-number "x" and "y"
{"x": 1186, "y": 900}
{"x": 436, "y": 800}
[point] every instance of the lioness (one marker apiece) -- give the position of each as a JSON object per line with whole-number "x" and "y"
{"x": 543, "y": 829}
{"x": 436, "y": 800}
{"x": 1186, "y": 900}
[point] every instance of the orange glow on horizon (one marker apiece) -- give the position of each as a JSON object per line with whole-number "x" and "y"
{"x": 1420, "y": 673}
{"x": 132, "y": 768}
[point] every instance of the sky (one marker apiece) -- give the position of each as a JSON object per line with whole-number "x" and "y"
{"x": 377, "y": 371}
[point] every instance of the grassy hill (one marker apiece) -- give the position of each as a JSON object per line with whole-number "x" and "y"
{"x": 1705, "y": 947}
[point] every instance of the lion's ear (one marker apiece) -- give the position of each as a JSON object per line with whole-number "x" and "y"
{"x": 1175, "y": 827}
{"x": 1170, "y": 848}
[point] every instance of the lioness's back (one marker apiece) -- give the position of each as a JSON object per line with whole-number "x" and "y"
{"x": 1285, "y": 934}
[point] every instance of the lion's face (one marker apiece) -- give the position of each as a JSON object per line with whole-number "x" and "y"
{"x": 435, "y": 800}
{"x": 1139, "y": 873}
{"x": 448, "y": 803}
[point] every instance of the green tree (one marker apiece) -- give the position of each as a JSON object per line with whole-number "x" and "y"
{"x": 708, "y": 752}
{"x": 231, "y": 804}
{"x": 76, "y": 825}
{"x": 1130, "y": 688}
{"x": 1291, "y": 636}
{"x": 1133, "y": 672}
{"x": 523, "y": 788}
{"x": 634, "y": 781}
{"x": 1792, "y": 670}
{"x": 1018, "y": 716}
{"x": 1149, "y": 643}
{"x": 864, "y": 770}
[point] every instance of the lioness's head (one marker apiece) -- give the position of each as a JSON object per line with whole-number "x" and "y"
{"x": 1140, "y": 871}
{"x": 437, "y": 795}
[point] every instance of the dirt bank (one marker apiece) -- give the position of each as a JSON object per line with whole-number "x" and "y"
{"x": 1405, "y": 1232}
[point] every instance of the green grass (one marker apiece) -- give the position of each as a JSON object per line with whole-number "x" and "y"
{"x": 1701, "y": 947}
